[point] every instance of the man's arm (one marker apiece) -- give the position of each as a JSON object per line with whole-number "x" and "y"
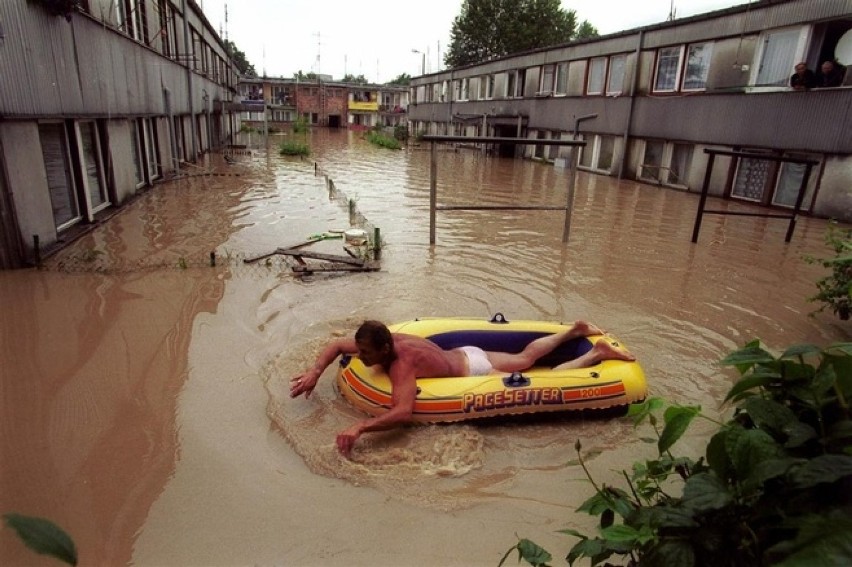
{"x": 403, "y": 394}
{"x": 305, "y": 382}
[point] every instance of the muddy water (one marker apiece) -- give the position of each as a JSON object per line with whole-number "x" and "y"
{"x": 144, "y": 392}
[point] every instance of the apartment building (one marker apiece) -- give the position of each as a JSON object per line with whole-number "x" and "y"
{"x": 99, "y": 100}
{"x": 650, "y": 101}
{"x": 321, "y": 102}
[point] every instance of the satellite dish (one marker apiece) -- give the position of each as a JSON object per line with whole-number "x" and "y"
{"x": 843, "y": 50}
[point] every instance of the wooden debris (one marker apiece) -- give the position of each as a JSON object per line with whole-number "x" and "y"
{"x": 335, "y": 262}
{"x": 367, "y": 267}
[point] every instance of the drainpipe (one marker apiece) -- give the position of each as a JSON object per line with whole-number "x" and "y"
{"x": 167, "y": 101}
{"x": 577, "y": 121}
{"x": 209, "y": 127}
{"x": 633, "y": 88}
{"x": 189, "y": 78}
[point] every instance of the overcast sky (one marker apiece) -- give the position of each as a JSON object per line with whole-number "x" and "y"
{"x": 375, "y": 38}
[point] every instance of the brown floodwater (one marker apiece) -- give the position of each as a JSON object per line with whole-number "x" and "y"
{"x": 144, "y": 392}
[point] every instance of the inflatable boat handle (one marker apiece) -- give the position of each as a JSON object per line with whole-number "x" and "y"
{"x": 498, "y": 318}
{"x": 516, "y": 380}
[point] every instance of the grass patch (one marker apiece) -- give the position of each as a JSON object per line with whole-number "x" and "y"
{"x": 293, "y": 148}
{"x": 383, "y": 141}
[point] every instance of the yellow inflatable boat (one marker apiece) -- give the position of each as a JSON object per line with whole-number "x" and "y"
{"x": 607, "y": 384}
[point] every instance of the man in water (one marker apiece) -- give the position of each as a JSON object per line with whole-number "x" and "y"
{"x": 404, "y": 358}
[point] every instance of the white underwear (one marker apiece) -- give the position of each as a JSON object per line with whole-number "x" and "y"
{"x": 477, "y": 361}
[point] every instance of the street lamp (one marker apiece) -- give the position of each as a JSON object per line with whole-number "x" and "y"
{"x": 423, "y": 64}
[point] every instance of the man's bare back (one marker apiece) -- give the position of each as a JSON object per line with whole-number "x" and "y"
{"x": 426, "y": 358}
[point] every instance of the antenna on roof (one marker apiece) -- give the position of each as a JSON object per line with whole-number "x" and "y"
{"x": 226, "y": 21}
{"x": 319, "y": 43}
{"x": 672, "y": 12}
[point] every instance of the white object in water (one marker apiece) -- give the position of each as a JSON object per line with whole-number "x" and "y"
{"x": 355, "y": 236}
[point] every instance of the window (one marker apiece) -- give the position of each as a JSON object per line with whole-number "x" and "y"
{"x": 546, "y": 84}
{"x": 540, "y": 148}
{"x": 138, "y": 159}
{"x": 615, "y": 78}
{"x": 666, "y": 163}
{"x": 60, "y": 182}
{"x": 697, "y": 65}
{"x": 597, "y": 69}
{"x": 92, "y": 166}
{"x": 465, "y": 83}
{"x": 562, "y": 78}
{"x": 151, "y": 148}
{"x": 680, "y": 163}
{"x": 178, "y": 126}
{"x": 668, "y": 68}
{"x": 587, "y": 151}
{"x": 521, "y": 84}
{"x": 606, "y": 152}
{"x": 167, "y": 39}
{"x": 652, "y": 163}
{"x": 131, "y": 18}
{"x": 489, "y": 89}
{"x": 553, "y": 151}
{"x": 778, "y": 55}
{"x": 510, "y": 84}
{"x": 598, "y": 153}
{"x": 751, "y": 179}
{"x": 789, "y": 183}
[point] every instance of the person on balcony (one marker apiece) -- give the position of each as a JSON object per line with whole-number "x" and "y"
{"x": 831, "y": 75}
{"x": 803, "y": 79}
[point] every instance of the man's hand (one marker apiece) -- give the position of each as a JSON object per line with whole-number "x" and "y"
{"x": 346, "y": 439}
{"x": 304, "y": 383}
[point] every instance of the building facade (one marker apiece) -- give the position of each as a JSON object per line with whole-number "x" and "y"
{"x": 97, "y": 103}
{"x": 321, "y": 102}
{"x": 649, "y": 101}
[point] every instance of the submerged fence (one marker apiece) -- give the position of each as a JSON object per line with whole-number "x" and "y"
{"x": 77, "y": 260}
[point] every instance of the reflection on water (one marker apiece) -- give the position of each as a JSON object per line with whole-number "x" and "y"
{"x": 144, "y": 380}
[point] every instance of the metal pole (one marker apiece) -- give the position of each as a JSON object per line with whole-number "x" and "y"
{"x": 167, "y": 100}
{"x": 187, "y": 44}
{"x": 704, "y": 189}
{"x": 433, "y": 191}
{"x": 799, "y": 200}
{"x": 569, "y": 206}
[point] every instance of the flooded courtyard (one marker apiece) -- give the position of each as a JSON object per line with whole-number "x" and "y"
{"x": 145, "y": 405}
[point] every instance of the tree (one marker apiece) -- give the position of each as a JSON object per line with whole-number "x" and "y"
{"x": 300, "y": 76}
{"x": 245, "y": 68}
{"x": 492, "y": 28}
{"x": 587, "y": 31}
{"x": 352, "y": 79}
{"x": 404, "y": 80}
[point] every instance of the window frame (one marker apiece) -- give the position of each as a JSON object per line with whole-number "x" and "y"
{"x": 675, "y": 82}
{"x": 686, "y": 65}
{"x": 82, "y": 129}
{"x": 608, "y": 89}
{"x": 603, "y": 74}
{"x": 561, "y": 78}
{"x": 547, "y": 69}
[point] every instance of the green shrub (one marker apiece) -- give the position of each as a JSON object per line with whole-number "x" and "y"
{"x": 772, "y": 489}
{"x": 384, "y": 141}
{"x": 293, "y": 148}
{"x": 43, "y": 536}
{"x": 300, "y": 126}
{"x": 835, "y": 290}
{"x": 400, "y": 132}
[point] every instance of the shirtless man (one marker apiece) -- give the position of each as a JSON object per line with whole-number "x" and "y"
{"x": 406, "y": 357}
